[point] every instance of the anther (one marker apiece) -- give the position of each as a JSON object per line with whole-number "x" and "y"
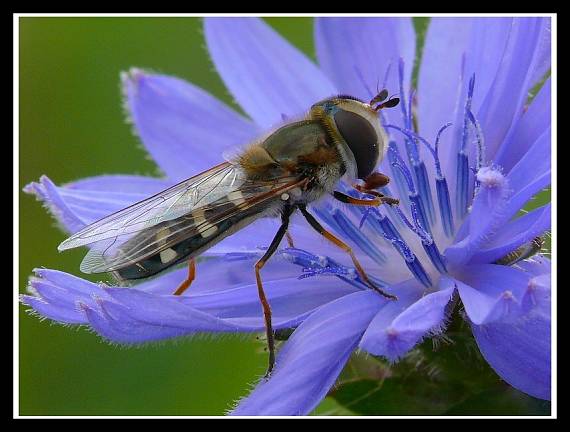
{"x": 413, "y": 264}
{"x": 413, "y": 196}
{"x": 462, "y": 186}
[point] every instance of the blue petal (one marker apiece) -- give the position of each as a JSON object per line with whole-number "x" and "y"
{"x": 290, "y": 301}
{"x": 492, "y": 292}
{"x": 518, "y": 348}
{"x": 534, "y": 163}
{"x": 168, "y": 311}
{"x": 454, "y": 49}
{"x": 522, "y": 196}
{"x": 537, "y": 265}
{"x": 219, "y": 301}
{"x": 487, "y": 214}
{"x": 542, "y": 58}
{"x": 311, "y": 360}
{"x": 184, "y": 128}
{"x": 534, "y": 121}
{"x": 357, "y": 52}
{"x": 267, "y": 76}
{"x": 44, "y": 309}
{"x": 56, "y": 295}
{"x": 503, "y": 54}
{"x": 536, "y": 298}
{"x": 493, "y": 207}
{"x": 400, "y": 325}
{"x": 113, "y": 322}
{"x": 83, "y": 202}
{"x": 519, "y": 352}
{"x": 515, "y": 234}
{"x": 504, "y": 103}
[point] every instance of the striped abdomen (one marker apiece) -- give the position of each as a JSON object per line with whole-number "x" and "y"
{"x": 205, "y": 235}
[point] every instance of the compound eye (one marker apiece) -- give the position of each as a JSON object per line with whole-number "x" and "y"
{"x": 361, "y": 137}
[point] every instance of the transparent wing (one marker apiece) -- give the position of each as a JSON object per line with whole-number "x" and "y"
{"x": 154, "y": 233}
{"x": 162, "y": 245}
{"x": 169, "y": 204}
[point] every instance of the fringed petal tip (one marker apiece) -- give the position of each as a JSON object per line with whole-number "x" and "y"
{"x": 46, "y": 191}
{"x": 131, "y": 78}
{"x": 130, "y": 82}
{"x": 537, "y": 295}
{"x": 537, "y": 265}
{"x": 34, "y": 188}
{"x": 55, "y": 295}
{"x": 76, "y": 204}
{"x": 509, "y": 312}
{"x": 494, "y": 293}
{"x": 396, "y": 330}
{"x": 150, "y": 312}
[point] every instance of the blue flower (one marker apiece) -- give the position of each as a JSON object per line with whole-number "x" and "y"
{"x": 461, "y": 186}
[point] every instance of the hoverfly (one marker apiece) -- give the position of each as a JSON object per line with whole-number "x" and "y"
{"x": 295, "y": 165}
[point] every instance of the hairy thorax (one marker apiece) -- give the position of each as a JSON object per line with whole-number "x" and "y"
{"x": 300, "y": 150}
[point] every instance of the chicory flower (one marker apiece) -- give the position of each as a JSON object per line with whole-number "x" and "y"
{"x": 466, "y": 153}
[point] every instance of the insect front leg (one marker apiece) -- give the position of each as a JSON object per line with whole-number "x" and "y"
{"x": 374, "y": 181}
{"x": 379, "y": 200}
{"x": 262, "y": 297}
{"x": 333, "y": 239}
{"x": 189, "y": 279}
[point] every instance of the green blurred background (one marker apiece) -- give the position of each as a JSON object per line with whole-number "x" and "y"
{"x": 72, "y": 126}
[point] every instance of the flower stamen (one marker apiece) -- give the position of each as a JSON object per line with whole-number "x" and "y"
{"x": 385, "y": 227}
{"x": 428, "y": 244}
{"x": 463, "y": 172}
{"x": 398, "y": 177}
{"x": 413, "y": 195}
{"x": 441, "y": 183}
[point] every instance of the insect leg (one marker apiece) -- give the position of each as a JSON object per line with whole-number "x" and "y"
{"x": 380, "y": 97}
{"x": 262, "y": 298}
{"x": 289, "y": 240}
{"x": 374, "y": 181}
{"x": 329, "y": 236}
{"x": 385, "y": 199}
{"x": 188, "y": 281}
{"x": 380, "y": 199}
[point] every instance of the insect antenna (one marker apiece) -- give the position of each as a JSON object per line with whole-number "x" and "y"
{"x": 380, "y": 96}
{"x": 390, "y": 103}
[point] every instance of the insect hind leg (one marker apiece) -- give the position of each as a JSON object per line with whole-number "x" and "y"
{"x": 189, "y": 279}
{"x": 261, "y": 292}
{"x": 289, "y": 239}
